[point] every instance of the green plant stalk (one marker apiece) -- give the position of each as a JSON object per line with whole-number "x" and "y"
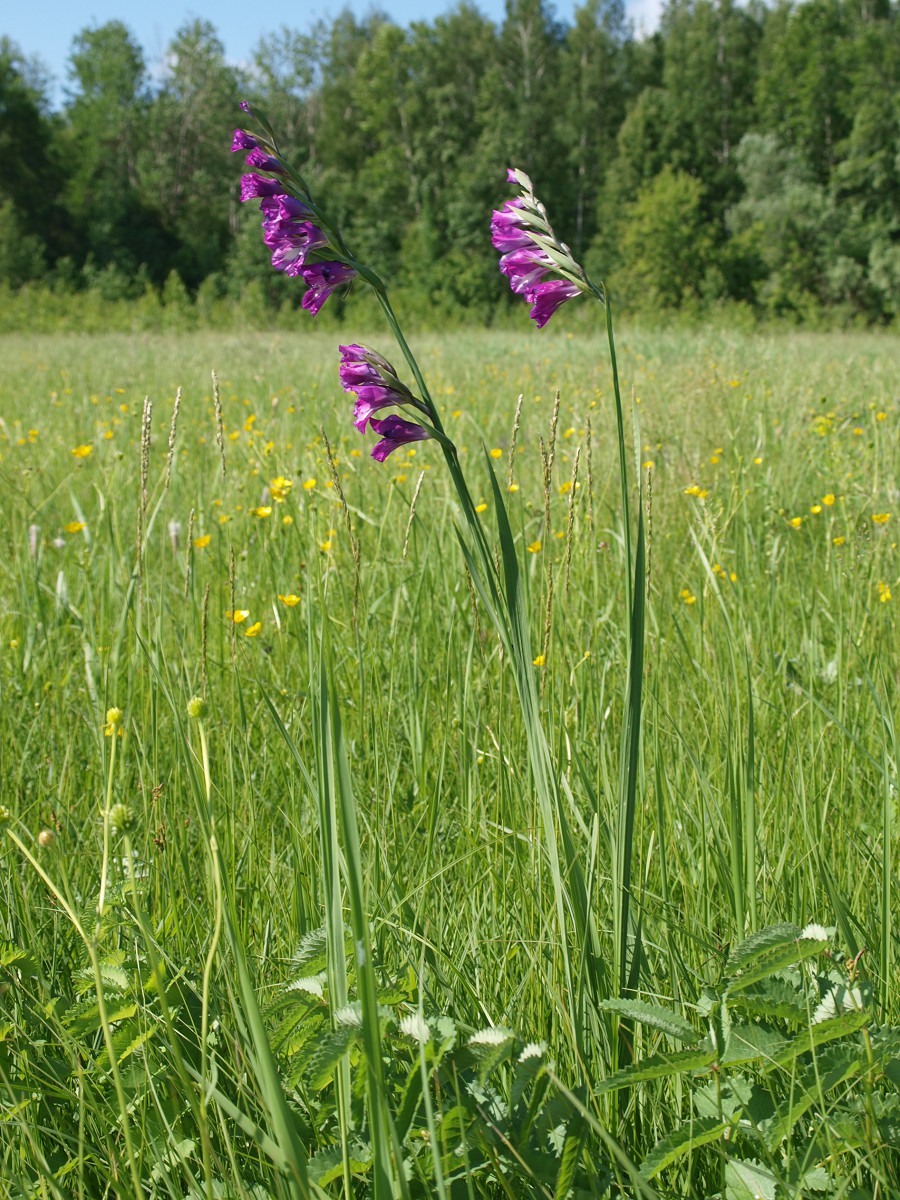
{"x": 91, "y": 947}
{"x": 104, "y": 865}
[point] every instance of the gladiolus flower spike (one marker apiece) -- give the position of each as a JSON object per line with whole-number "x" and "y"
{"x": 293, "y": 229}
{"x": 537, "y": 264}
{"x": 375, "y": 383}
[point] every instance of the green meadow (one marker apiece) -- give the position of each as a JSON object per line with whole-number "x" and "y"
{"x": 317, "y": 937}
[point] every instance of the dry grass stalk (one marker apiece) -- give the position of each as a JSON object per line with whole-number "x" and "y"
{"x": 570, "y": 523}
{"x": 517, "y": 420}
{"x": 170, "y": 457}
{"x": 220, "y": 426}
{"x": 548, "y": 612}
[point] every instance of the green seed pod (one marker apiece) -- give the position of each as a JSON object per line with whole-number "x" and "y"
{"x": 197, "y": 708}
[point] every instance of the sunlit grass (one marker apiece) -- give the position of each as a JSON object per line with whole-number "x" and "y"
{"x": 770, "y": 757}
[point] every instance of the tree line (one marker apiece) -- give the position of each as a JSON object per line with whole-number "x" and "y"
{"x": 741, "y": 153}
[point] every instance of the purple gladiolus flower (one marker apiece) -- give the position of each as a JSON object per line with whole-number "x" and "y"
{"x": 292, "y": 242}
{"x": 374, "y": 381}
{"x": 526, "y": 268}
{"x": 264, "y": 162}
{"x": 394, "y": 431}
{"x": 255, "y": 186}
{"x": 372, "y": 399}
{"x": 243, "y": 140}
{"x": 547, "y": 297}
{"x": 283, "y": 208}
{"x": 322, "y": 279}
{"x": 245, "y": 105}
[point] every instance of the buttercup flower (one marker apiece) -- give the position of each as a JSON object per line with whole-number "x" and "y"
{"x": 394, "y": 431}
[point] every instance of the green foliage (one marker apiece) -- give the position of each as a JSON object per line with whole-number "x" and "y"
{"x": 783, "y": 119}
{"x": 666, "y": 243}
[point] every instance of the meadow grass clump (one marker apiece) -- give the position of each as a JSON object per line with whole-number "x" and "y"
{"x": 340, "y": 860}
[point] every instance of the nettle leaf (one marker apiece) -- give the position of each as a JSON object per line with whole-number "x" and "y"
{"x": 681, "y": 1141}
{"x": 12, "y": 955}
{"x": 749, "y": 1180}
{"x": 773, "y": 998}
{"x": 329, "y": 1051}
{"x": 751, "y": 1043}
{"x": 658, "y": 1018}
{"x": 490, "y": 1048}
{"x": 310, "y": 956}
{"x": 328, "y": 1164}
{"x": 760, "y": 943}
{"x": 659, "y": 1066}
{"x": 818, "y": 1035}
{"x": 831, "y": 1068}
{"x": 791, "y": 946}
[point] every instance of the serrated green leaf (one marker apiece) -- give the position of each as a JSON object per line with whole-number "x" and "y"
{"x": 328, "y": 1164}
{"x": 329, "y": 1051}
{"x": 775, "y": 959}
{"x": 773, "y": 997}
{"x": 680, "y": 1142}
{"x": 831, "y": 1068}
{"x": 749, "y": 1180}
{"x": 751, "y": 1043}
{"x": 658, "y": 1018}
{"x": 658, "y": 1066}
{"x": 819, "y": 1035}
{"x": 760, "y": 943}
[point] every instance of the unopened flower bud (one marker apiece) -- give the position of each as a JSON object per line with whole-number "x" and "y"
{"x": 46, "y": 838}
{"x": 4, "y": 814}
{"x": 121, "y": 818}
{"x": 197, "y": 708}
{"x": 114, "y": 717}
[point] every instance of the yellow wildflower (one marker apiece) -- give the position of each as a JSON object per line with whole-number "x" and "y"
{"x": 75, "y": 526}
{"x": 289, "y": 600}
{"x": 309, "y": 484}
{"x": 816, "y": 509}
{"x": 513, "y": 487}
{"x": 884, "y": 592}
{"x": 795, "y": 522}
{"x": 535, "y": 546}
{"x": 838, "y": 541}
{"x": 828, "y": 500}
{"x": 758, "y": 460}
{"x": 239, "y": 615}
{"x": 480, "y": 508}
{"x": 83, "y": 451}
{"x": 253, "y": 630}
{"x": 649, "y": 464}
{"x": 287, "y": 519}
{"x": 881, "y": 518}
{"x": 202, "y": 542}
{"x": 280, "y": 488}
{"x": 496, "y": 453}
{"x": 688, "y": 596}
{"x": 539, "y": 661}
{"x": 263, "y": 510}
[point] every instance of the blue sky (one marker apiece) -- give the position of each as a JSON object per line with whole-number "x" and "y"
{"x": 46, "y": 27}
